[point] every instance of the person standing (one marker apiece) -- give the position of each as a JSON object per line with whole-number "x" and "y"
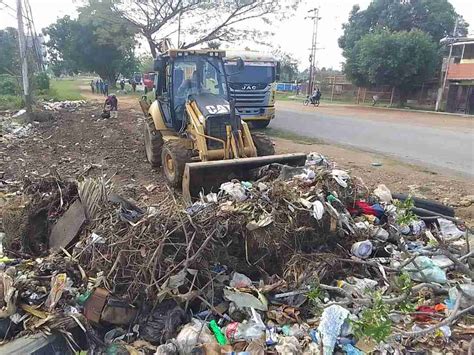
{"x": 97, "y": 86}
{"x": 101, "y": 87}
{"x": 106, "y": 88}
{"x": 122, "y": 84}
{"x": 92, "y": 85}
{"x": 134, "y": 85}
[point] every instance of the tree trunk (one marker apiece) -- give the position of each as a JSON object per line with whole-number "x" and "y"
{"x": 152, "y": 45}
{"x": 112, "y": 79}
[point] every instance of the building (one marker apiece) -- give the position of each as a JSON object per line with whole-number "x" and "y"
{"x": 460, "y": 77}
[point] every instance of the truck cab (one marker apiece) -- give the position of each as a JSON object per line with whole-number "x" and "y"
{"x": 254, "y": 87}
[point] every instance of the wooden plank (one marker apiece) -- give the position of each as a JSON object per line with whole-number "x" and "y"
{"x": 68, "y": 226}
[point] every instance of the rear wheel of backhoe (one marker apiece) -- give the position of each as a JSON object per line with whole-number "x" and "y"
{"x": 263, "y": 144}
{"x": 174, "y": 157}
{"x": 153, "y": 143}
{"x": 260, "y": 124}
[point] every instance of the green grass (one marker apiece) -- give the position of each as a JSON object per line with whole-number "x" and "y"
{"x": 11, "y": 102}
{"x": 64, "y": 89}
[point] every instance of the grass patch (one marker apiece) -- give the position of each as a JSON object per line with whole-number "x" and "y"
{"x": 296, "y": 138}
{"x": 65, "y": 90}
{"x": 11, "y": 102}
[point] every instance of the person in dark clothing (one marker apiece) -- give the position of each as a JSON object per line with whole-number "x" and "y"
{"x": 97, "y": 86}
{"x": 106, "y": 88}
{"x": 101, "y": 87}
{"x": 134, "y": 86}
{"x": 110, "y": 107}
{"x": 92, "y": 86}
{"x": 122, "y": 84}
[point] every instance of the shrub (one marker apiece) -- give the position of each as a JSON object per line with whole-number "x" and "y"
{"x": 41, "y": 81}
{"x": 11, "y": 102}
{"x": 8, "y": 85}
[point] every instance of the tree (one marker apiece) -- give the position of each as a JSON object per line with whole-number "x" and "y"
{"x": 146, "y": 63}
{"x": 435, "y": 17}
{"x": 288, "y": 66}
{"x": 202, "y": 21}
{"x": 400, "y": 59}
{"x": 88, "y": 44}
{"x": 9, "y": 51}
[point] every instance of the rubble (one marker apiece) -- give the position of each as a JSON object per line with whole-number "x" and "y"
{"x": 67, "y": 105}
{"x": 302, "y": 260}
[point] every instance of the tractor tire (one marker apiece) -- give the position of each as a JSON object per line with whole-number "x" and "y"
{"x": 153, "y": 143}
{"x": 263, "y": 144}
{"x": 260, "y": 124}
{"x": 174, "y": 157}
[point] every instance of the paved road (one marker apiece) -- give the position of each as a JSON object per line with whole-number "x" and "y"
{"x": 436, "y": 148}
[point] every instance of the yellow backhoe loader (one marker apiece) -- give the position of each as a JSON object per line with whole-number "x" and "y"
{"x": 192, "y": 130}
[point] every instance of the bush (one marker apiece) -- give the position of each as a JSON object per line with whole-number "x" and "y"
{"x": 8, "y": 85}
{"x": 11, "y": 102}
{"x": 41, "y": 81}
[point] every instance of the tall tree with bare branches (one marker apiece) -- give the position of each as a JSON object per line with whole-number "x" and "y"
{"x": 201, "y": 21}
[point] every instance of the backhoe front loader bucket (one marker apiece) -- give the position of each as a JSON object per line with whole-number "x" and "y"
{"x": 208, "y": 176}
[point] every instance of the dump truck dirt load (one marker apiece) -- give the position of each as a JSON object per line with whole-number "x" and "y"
{"x": 193, "y": 130}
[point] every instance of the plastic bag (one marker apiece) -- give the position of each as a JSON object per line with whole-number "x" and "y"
{"x": 329, "y": 328}
{"x": 237, "y": 191}
{"x": 383, "y": 193}
{"x": 430, "y": 272}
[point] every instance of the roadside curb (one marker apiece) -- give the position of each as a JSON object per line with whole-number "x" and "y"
{"x": 388, "y": 109}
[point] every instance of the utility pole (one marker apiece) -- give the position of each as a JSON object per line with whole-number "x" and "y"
{"x": 24, "y": 59}
{"x": 443, "y": 85}
{"x": 312, "y": 57}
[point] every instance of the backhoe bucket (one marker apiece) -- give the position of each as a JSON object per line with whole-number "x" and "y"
{"x": 208, "y": 176}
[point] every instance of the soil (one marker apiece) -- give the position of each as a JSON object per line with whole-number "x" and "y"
{"x": 81, "y": 143}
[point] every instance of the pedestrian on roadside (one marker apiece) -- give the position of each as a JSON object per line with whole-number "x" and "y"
{"x": 375, "y": 99}
{"x": 122, "y": 84}
{"x": 134, "y": 86}
{"x": 97, "y": 86}
{"x": 101, "y": 87}
{"x": 106, "y": 88}
{"x": 92, "y": 86}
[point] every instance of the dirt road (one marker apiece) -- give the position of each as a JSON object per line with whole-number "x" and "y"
{"x": 80, "y": 143}
{"x": 438, "y": 142}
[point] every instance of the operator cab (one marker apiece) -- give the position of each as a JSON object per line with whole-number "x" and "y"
{"x": 196, "y": 75}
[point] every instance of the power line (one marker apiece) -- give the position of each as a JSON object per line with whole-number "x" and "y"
{"x": 13, "y": 9}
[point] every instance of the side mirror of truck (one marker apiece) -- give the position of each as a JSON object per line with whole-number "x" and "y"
{"x": 240, "y": 64}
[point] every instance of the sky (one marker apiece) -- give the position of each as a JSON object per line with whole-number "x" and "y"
{"x": 292, "y": 35}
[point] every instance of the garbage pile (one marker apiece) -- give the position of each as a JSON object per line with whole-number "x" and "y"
{"x": 69, "y": 106}
{"x": 300, "y": 260}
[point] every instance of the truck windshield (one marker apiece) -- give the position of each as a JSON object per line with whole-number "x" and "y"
{"x": 251, "y": 74}
{"x": 198, "y": 75}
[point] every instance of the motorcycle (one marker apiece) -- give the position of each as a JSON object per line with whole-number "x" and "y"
{"x": 311, "y": 100}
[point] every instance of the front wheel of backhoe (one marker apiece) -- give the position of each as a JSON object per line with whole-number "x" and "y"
{"x": 153, "y": 143}
{"x": 263, "y": 144}
{"x": 174, "y": 157}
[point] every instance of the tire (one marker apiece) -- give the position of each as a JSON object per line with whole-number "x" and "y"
{"x": 153, "y": 143}
{"x": 263, "y": 144}
{"x": 306, "y": 102}
{"x": 260, "y": 124}
{"x": 174, "y": 157}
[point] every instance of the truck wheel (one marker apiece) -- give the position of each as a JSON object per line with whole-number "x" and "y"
{"x": 153, "y": 143}
{"x": 174, "y": 157}
{"x": 263, "y": 144}
{"x": 260, "y": 124}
